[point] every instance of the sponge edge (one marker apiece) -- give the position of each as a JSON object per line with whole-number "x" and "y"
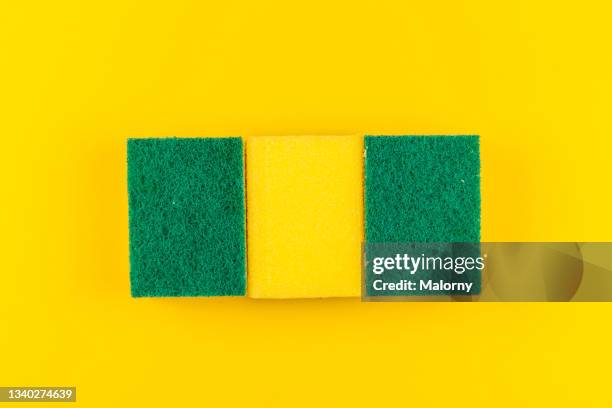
{"x": 422, "y": 188}
{"x": 305, "y": 206}
{"x": 187, "y": 217}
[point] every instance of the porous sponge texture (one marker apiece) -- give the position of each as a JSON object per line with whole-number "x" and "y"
{"x": 186, "y": 217}
{"x": 422, "y": 189}
{"x": 305, "y": 208}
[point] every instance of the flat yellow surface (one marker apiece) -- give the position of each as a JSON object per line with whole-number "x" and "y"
{"x": 305, "y": 209}
{"x": 78, "y": 78}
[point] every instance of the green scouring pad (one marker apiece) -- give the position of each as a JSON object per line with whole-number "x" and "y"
{"x": 187, "y": 217}
{"x": 423, "y": 189}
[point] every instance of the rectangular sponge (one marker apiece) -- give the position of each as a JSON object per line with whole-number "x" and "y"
{"x": 187, "y": 217}
{"x": 305, "y": 206}
{"x": 422, "y": 189}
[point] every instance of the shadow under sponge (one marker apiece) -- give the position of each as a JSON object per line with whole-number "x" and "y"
{"x": 187, "y": 217}
{"x": 422, "y": 189}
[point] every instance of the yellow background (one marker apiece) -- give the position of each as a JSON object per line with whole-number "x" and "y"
{"x": 78, "y": 78}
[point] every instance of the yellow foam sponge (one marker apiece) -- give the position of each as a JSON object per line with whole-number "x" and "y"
{"x": 305, "y": 216}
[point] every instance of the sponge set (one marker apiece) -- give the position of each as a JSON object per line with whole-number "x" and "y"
{"x": 308, "y": 199}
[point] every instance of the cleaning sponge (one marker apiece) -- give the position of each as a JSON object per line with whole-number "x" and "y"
{"x": 422, "y": 189}
{"x": 305, "y": 206}
{"x": 425, "y": 189}
{"x": 187, "y": 217}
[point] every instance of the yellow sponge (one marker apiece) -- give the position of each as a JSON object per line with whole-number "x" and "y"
{"x": 305, "y": 216}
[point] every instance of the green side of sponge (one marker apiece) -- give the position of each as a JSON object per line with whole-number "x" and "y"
{"x": 187, "y": 217}
{"x": 425, "y": 189}
{"x": 422, "y": 189}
